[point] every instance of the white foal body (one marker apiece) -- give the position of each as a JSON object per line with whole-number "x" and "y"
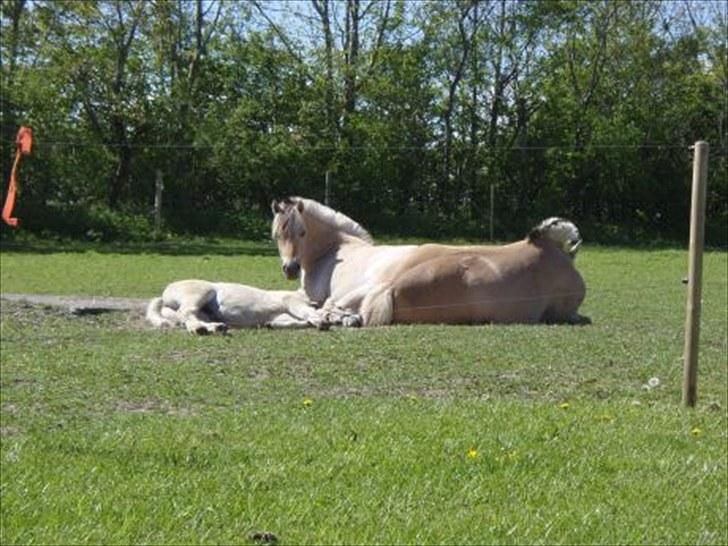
{"x": 204, "y": 307}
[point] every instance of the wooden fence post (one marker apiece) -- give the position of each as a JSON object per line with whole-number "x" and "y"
{"x": 695, "y": 273}
{"x": 492, "y": 208}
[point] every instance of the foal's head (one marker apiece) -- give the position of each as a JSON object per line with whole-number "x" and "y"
{"x": 289, "y": 233}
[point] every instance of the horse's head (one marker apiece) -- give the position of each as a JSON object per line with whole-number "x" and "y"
{"x": 289, "y": 233}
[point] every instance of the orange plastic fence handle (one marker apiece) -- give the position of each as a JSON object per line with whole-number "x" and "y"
{"x": 23, "y": 145}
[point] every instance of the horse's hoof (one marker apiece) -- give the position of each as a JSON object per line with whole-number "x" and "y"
{"x": 324, "y": 325}
{"x": 201, "y": 331}
{"x": 221, "y": 328}
{"x": 352, "y": 321}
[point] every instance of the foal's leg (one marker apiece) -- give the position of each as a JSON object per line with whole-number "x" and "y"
{"x": 302, "y": 310}
{"x": 286, "y": 321}
{"x": 198, "y": 322}
{"x": 191, "y": 300}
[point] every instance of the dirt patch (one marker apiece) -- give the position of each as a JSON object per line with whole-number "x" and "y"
{"x": 80, "y": 305}
{"x": 145, "y": 406}
{"x": 9, "y": 431}
{"x": 26, "y": 310}
{"x": 151, "y": 405}
{"x": 9, "y": 408}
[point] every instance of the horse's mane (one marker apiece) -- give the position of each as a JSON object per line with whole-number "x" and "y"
{"x": 563, "y": 233}
{"x": 334, "y": 219}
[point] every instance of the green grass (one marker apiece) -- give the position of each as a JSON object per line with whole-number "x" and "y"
{"x": 115, "y": 433}
{"x": 136, "y": 270}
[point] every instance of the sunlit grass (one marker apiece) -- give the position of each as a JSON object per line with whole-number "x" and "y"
{"x": 115, "y": 433}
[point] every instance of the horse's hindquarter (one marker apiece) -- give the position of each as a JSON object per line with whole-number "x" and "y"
{"x": 443, "y": 284}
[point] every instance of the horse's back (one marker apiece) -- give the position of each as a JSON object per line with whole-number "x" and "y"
{"x": 515, "y": 283}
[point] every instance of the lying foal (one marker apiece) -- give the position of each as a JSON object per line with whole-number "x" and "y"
{"x": 204, "y": 307}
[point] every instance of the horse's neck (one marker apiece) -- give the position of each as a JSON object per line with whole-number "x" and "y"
{"x": 321, "y": 240}
{"x": 319, "y": 260}
{"x": 320, "y": 256}
{"x": 316, "y": 279}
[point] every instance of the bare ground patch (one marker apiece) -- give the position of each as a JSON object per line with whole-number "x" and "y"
{"x": 80, "y": 304}
{"x": 27, "y": 310}
{"x": 9, "y": 431}
{"x": 151, "y": 405}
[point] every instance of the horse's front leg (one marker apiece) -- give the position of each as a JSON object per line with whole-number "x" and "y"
{"x": 346, "y": 311}
{"x": 337, "y": 316}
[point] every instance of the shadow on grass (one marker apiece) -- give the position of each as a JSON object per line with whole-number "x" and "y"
{"x": 196, "y": 246}
{"x": 176, "y": 247}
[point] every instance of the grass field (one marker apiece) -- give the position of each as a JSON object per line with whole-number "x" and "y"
{"x": 114, "y": 433}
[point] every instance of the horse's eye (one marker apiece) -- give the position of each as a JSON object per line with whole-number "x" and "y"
{"x": 303, "y": 233}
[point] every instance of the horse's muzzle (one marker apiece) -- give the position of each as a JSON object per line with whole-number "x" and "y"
{"x": 291, "y": 269}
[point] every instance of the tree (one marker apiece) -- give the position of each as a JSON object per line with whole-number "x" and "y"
{"x": 566, "y": 107}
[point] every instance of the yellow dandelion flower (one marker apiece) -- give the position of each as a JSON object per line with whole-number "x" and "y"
{"x": 473, "y": 453}
{"x": 307, "y": 402}
{"x": 696, "y": 431}
{"x": 564, "y": 405}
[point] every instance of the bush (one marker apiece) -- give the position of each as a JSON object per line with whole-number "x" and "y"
{"x": 82, "y": 221}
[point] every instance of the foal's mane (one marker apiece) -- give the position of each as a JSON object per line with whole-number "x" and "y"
{"x": 332, "y": 218}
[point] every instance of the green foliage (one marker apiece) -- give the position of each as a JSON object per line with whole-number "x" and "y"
{"x": 579, "y": 108}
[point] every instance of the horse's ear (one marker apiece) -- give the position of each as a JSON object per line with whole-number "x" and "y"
{"x": 276, "y": 207}
{"x": 299, "y": 206}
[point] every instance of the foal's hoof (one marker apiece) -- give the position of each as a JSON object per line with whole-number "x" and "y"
{"x": 202, "y": 331}
{"x": 323, "y": 326}
{"x": 221, "y": 328}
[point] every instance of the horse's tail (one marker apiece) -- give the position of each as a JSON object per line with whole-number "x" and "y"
{"x": 154, "y": 313}
{"x": 377, "y": 307}
{"x": 562, "y": 233}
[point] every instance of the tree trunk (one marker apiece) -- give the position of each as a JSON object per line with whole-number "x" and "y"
{"x": 498, "y": 82}
{"x": 119, "y": 190}
{"x": 445, "y": 196}
{"x": 352, "y": 59}
{"x": 10, "y": 122}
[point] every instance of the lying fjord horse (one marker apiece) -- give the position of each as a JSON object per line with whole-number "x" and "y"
{"x": 529, "y": 281}
{"x": 205, "y": 307}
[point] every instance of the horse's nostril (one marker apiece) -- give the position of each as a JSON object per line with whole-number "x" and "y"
{"x": 291, "y": 270}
